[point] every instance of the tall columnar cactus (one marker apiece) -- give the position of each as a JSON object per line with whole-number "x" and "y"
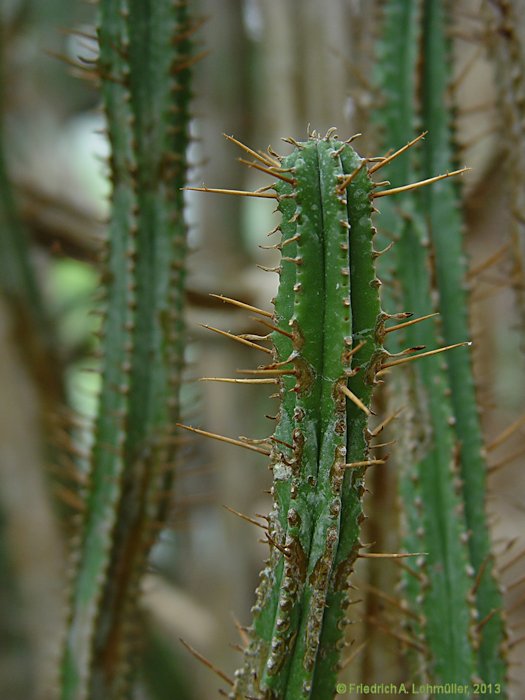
{"x": 144, "y": 66}
{"x": 443, "y": 494}
{"x": 329, "y": 323}
{"x": 442, "y": 208}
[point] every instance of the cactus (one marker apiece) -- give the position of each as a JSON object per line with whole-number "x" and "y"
{"x": 144, "y": 65}
{"x": 443, "y": 211}
{"x": 456, "y": 578}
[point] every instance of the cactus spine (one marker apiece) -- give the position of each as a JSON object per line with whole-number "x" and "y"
{"x": 145, "y": 59}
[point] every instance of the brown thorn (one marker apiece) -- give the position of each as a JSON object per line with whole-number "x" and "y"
{"x": 383, "y": 444}
{"x": 487, "y": 618}
{"x": 242, "y": 305}
{"x": 388, "y": 555}
{"x": 411, "y": 571}
{"x": 239, "y": 193}
{"x": 275, "y": 372}
{"x": 515, "y": 642}
{"x": 207, "y": 663}
{"x": 244, "y": 517}
{"x": 272, "y": 327}
{"x": 515, "y": 583}
{"x": 488, "y": 262}
{"x": 222, "y": 438}
{"x": 234, "y": 380}
{"x": 281, "y": 442}
{"x": 389, "y": 599}
{"x": 244, "y": 341}
{"x": 379, "y": 428}
{"x": 388, "y": 159}
{"x": 506, "y": 460}
{"x": 289, "y": 180}
{"x": 348, "y": 179}
{"x": 505, "y": 434}
{"x": 409, "y": 323}
{"x": 69, "y": 497}
{"x": 404, "y": 360}
{"x": 354, "y": 399}
{"x": 254, "y": 154}
{"x": 405, "y": 639}
{"x": 512, "y": 561}
{"x": 421, "y": 183}
{"x": 241, "y": 630}
{"x": 254, "y": 336}
{"x": 273, "y": 543}
{"x": 479, "y": 576}
{"x": 364, "y": 463}
{"x": 465, "y": 70}
{"x": 353, "y": 655}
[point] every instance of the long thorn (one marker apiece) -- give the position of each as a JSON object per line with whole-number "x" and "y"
{"x": 488, "y": 262}
{"x": 222, "y": 438}
{"x": 506, "y": 433}
{"x": 245, "y": 517}
{"x": 234, "y": 380}
{"x": 239, "y": 193}
{"x": 379, "y": 428}
{"x": 403, "y": 360}
{"x": 274, "y": 372}
{"x": 512, "y": 561}
{"x": 289, "y": 180}
{"x": 389, "y": 599}
{"x": 388, "y": 555}
{"x": 421, "y": 183}
{"x": 272, "y": 327}
{"x": 248, "y": 150}
{"x": 390, "y": 158}
{"x": 348, "y": 179}
{"x": 242, "y": 305}
{"x": 244, "y": 341}
{"x": 409, "y": 323}
{"x": 506, "y": 460}
{"x": 353, "y": 655}
{"x": 207, "y": 663}
{"x": 364, "y": 463}
{"x": 354, "y": 399}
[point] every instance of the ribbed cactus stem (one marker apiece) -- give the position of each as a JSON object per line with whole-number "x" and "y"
{"x": 145, "y": 59}
{"x": 328, "y": 301}
{"x": 442, "y": 208}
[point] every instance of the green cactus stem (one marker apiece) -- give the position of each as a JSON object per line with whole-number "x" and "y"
{"x": 442, "y": 208}
{"x": 145, "y": 65}
{"x": 442, "y": 438}
{"x": 329, "y": 332}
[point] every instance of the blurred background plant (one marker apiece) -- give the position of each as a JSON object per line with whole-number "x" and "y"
{"x": 275, "y": 67}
